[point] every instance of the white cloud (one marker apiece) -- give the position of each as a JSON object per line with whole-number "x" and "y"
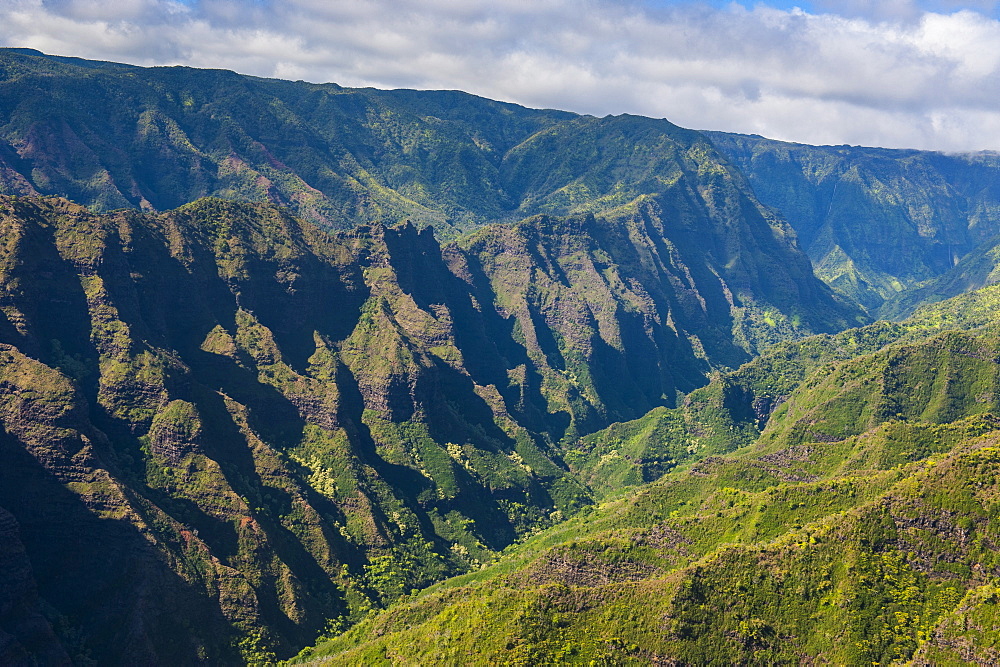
{"x": 898, "y": 76}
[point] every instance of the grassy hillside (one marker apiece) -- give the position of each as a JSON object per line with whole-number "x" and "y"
{"x": 732, "y": 410}
{"x": 844, "y": 568}
{"x": 859, "y": 527}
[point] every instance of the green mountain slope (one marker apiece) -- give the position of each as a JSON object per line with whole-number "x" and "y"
{"x": 225, "y": 430}
{"x": 979, "y": 268}
{"x": 113, "y": 136}
{"x": 653, "y": 295}
{"x": 110, "y": 136}
{"x": 732, "y": 410}
{"x": 860, "y": 527}
{"x": 875, "y": 222}
{"x": 291, "y": 427}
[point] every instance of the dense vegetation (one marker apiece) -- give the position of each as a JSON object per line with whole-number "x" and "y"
{"x": 248, "y": 395}
{"x": 877, "y": 222}
{"x": 293, "y": 427}
{"x": 861, "y": 527}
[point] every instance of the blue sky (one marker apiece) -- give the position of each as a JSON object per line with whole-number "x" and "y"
{"x": 898, "y": 73}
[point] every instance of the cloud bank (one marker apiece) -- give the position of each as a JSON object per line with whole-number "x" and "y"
{"x": 901, "y": 76}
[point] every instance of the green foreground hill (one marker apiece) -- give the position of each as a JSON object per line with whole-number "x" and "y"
{"x": 859, "y": 526}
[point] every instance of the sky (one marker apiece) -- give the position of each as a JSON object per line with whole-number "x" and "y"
{"x": 897, "y": 73}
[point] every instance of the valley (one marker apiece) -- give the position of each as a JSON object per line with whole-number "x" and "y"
{"x": 311, "y": 373}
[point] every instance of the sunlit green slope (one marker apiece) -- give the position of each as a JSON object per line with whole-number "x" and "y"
{"x": 860, "y": 527}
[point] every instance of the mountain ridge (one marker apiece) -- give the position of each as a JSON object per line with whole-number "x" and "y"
{"x": 876, "y": 223}
{"x": 295, "y": 426}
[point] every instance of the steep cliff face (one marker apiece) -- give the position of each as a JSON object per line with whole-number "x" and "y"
{"x": 620, "y": 315}
{"x": 215, "y": 442}
{"x": 875, "y": 222}
{"x": 226, "y": 411}
{"x": 142, "y": 492}
{"x": 110, "y": 565}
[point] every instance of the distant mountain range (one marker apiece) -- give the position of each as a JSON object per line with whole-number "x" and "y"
{"x": 277, "y": 355}
{"x": 875, "y": 222}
